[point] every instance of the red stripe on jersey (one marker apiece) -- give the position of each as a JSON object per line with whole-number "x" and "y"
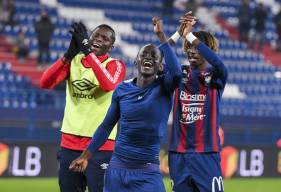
{"x": 79, "y": 143}
{"x": 183, "y": 129}
{"x": 214, "y": 119}
{"x": 199, "y": 126}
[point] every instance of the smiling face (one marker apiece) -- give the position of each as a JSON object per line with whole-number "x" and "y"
{"x": 102, "y": 40}
{"x": 148, "y": 60}
{"x": 195, "y": 59}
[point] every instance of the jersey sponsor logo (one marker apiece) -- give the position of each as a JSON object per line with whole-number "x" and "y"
{"x": 192, "y": 112}
{"x": 83, "y": 85}
{"x": 196, "y": 97}
{"x": 104, "y": 165}
{"x": 217, "y": 181}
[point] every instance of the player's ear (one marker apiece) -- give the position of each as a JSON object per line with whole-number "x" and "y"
{"x": 161, "y": 67}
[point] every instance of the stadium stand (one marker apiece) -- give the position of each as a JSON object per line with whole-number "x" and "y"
{"x": 252, "y": 96}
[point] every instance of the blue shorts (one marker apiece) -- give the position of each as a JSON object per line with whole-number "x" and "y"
{"x": 120, "y": 177}
{"x": 93, "y": 176}
{"x": 194, "y": 172}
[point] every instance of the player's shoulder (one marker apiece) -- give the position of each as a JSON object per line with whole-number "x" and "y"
{"x": 126, "y": 83}
{"x": 116, "y": 61}
{"x": 124, "y": 87}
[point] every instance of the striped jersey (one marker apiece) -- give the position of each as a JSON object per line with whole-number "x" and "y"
{"x": 196, "y": 106}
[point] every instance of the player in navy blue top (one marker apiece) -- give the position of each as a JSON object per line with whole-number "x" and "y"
{"x": 142, "y": 106}
{"x": 194, "y": 159}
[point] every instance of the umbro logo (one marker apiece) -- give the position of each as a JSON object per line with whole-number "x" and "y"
{"x": 83, "y": 84}
{"x": 104, "y": 166}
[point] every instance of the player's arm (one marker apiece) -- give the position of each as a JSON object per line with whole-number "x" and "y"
{"x": 59, "y": 71}
{"x": 173, "y": 74}
{"x": 100, "y": 136}
{"x": 55, "y": 74}
{"x": 110, "y": 76}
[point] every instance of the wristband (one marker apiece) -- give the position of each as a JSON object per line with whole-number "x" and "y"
{"x": 190, "y": 37}
{"x": 175, "y": 37}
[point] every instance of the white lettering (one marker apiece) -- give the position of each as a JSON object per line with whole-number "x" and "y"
{"x": 15, "y": 164}
{"x": 257, "y": 166}
{"x": 219, "y": 182}
{"x": 256, "y": 163}
{"x": 32, "y": 162}
{"x": 33, "y": 157}
{"x": 187, "y": 97}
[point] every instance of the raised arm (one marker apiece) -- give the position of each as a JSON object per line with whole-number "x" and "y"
{"x": 173, "y": 75}
{"x": 59, "y": 71}
{"x": 110, "y": 76}
{"x": 187, "y": 18}
{"x": 100, "y": 136}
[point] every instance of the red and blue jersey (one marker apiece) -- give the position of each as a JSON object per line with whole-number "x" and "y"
{"x": 196, "y": 106}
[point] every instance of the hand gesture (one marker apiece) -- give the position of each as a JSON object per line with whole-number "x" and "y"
{"x": 158, "y": 29}
{"x": 80, "y": 164}
{"x": 157, "y": 25}
{"x": 72, "y": 50}
{"x": 187, "y": 21}
{"x": 79, "y": 32}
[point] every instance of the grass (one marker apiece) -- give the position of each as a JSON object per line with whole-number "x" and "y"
{"x": 51, "y": 184}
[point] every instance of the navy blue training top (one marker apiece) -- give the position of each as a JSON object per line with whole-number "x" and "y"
{"x": 142, "y": 113}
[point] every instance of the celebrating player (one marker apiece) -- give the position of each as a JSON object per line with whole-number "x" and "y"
{"x": 142, "y": 107}
{"x": 91, "y": 75}
{"x": 194, "y": 158}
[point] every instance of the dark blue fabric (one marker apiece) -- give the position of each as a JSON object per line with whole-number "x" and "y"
{"x": 195, "y": 172}
{"x": 142, "y": 113}
{"x": 93, "y": 177}
{"x": 133, "y": 180}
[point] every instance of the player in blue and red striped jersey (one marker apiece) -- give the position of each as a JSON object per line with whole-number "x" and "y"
{"x": 142, "y": 107}
{"x": 194, "y": 158}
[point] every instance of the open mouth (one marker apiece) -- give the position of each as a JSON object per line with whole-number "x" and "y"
{"x": 192, "y": 59}
{"x": 147, "y": 64}
{"x": 95, "y": 45}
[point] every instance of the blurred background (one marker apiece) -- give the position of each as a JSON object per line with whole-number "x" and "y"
{"x": 34, "y": 34}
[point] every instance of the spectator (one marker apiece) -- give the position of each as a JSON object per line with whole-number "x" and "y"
{"x": 44, "y": 29}
{"x": 277, "y": 21}
{"x": 7, "y": 12}
{"x": 22, "y": 45}
{"x": 244, "y": 17}
{"x": 260, "y": 17}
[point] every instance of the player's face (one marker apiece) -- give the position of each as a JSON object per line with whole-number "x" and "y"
{"x": 102, "y": 41}
{"x": 194, "y": 58}
{"x": 149, "y": 60}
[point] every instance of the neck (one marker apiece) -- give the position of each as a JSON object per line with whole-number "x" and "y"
{"x": 144, "y": 81}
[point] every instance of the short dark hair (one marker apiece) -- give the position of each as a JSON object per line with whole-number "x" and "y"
{"x": 107, "y": 27}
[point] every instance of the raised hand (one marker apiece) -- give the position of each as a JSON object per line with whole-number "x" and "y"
{"x": 187, "y": 21}
{"x": 72, "y": 50}
{"x": 158, "y": 29}
{"x": 79, "y": 32}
